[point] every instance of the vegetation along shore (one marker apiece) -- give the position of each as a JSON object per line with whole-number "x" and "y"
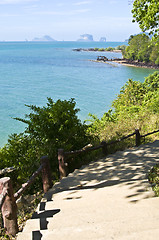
{"x": 56, "y": 125}
{"x": 142, "y": 51}
{"x": 135, "y": 63}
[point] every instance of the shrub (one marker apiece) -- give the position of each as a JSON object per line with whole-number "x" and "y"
{"x": 142, "y": 48}
{"x": 47, "y": 129}
{"x": 136, "y": 106}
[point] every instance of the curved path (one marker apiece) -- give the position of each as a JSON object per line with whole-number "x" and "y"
{"x": 105, "y": 200}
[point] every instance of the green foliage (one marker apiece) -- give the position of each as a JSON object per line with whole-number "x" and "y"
{"x": 153, "y": 177}
{"x": 120, "y": 47}
{"x": 55, "y": 126}
{"x": 154, "y": 55}
{"x": 146, "y": 14}
{"x": 49, "y": 128}
{"x": 131, "y": 95}
{"x": 21, "y": 153}
{"x": 157, "y": 61}
{"x": 136, "y": 97}
{"x": 96, "y": 125}
{"x": 142, "y": 48}
{"x": 138, "y": 48}
{"x": 136, "y": 106}
{"x": 109, "y": 49}
{"x": 101, "y": 49}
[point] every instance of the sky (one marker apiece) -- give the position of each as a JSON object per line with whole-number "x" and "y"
{"x": 66, "y": 19}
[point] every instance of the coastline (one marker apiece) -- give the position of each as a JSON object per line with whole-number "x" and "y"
{"x": 130, "y": 63}
{"x": 122, "y": 61}
{"x": 95, "y": 50}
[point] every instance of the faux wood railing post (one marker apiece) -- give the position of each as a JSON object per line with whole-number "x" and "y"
{"x": 138, "y": 137}
{"x": 62, "y": 166}
{"x": 9, "y": 207}
{"x": 46, "y": 174}
{"x": 104, "y": 148}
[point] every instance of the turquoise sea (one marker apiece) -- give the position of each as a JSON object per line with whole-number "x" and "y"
{"x": 32, "y": 71}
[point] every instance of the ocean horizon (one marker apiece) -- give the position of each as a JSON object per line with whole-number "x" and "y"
{"x": 32, "y": 71}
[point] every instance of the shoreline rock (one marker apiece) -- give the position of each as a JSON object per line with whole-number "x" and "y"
{"x": 122, "y": 61}
{"x": 135, "y": 63}
{"x": 128, "y": 63}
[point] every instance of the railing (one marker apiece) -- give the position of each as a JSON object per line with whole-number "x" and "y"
{"x": 8, "y": 198}
{"x": 63, "y": 156}
{"x": 7, "y": 170}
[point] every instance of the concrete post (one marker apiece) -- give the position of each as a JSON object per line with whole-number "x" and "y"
{"x": 9, "y": 207}
{"x": 104, "y": 148}
{"x": 62, "y": 166}
{"x": 46, "y": 174}
{"x": 138, "y": 137}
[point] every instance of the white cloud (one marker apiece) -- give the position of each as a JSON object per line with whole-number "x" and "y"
{"x": 60, "y": 4}
{"x": 62, "y": 13}
{"x": 113, "y": 1}
{"x": 82, "y": 3}
{"x": 5, "y": 2}
{"x": 10, "y": 15}
{"x": 82, "y": 10}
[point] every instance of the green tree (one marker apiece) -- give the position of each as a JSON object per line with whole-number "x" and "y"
{"x": 48, "y": 128}
{"x": 146, "y": 14}
{"x": 22, "y": 153}
{"x": 137, "y": 95}
{"x": 136, "y": 106}
{"x": 139, "y": 48}
{"x": 131, "y": 95}
{"x": 55, "y": 126}
{"x": 154, "y": 56}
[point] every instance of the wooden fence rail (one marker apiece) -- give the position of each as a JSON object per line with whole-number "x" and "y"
{"x": 63, "y": 156}
{"x": 7, "y": 170}
{"x": 8, "y": 198}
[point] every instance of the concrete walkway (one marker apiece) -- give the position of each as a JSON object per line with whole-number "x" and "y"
{"x": 107, "y": 199}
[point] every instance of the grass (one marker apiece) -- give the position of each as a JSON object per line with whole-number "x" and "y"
{"x": 153, "y": 177}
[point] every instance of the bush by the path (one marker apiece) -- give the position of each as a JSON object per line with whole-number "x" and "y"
{"x": 136, "y": 107}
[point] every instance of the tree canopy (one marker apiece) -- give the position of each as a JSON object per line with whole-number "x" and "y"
{"x": 136, "y": 107}
{"x": 142, "y": 49}
{"x": 146, "y": 14}
{"x": 48, "y": 128}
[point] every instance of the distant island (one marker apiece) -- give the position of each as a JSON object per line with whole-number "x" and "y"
{"x": 89, "y": 38}
{"x": 102, "y": 39}
{"x": 86, "y": 38}
{"x": 45, "y": 38}
{"x": 83, "y": 38}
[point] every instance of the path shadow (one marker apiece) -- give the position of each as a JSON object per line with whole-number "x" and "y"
{"x": 128, "y": 167}
{"x": 42, "y": 216}
{"x": 36, "y": 235}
